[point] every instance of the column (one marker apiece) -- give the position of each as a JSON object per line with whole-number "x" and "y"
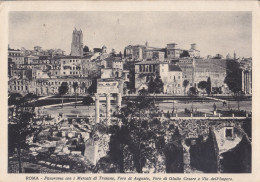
{"x": 108, "y": 108}
{"x": 96, "y": 108}
{"x": 250, "y": 82}
{"x": 119, "y": 100}
{"x": 248, "y": 85}
{"x": 243, "y": 80}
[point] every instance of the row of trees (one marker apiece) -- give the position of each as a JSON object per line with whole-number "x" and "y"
{"x": 64, "y": 88}
{"x": 203, "y": 85}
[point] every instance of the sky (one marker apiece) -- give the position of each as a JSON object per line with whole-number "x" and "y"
{"x": 213, "y": 32}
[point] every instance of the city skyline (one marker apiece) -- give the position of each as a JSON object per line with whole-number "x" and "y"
{"x": 222, "y": 32}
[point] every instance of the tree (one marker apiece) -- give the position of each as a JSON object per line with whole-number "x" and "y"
{"x": 97, "y": 50}
{"x": 20, "y": 128}
{"x": 139, "y": 140}
{"x": 151, "y": 85}
{"x": 93, "y": 87}
{"x": 63, "y": 89}
{"x": 85, "y": 49}
{"x": 31, "y": 96}
{"x": 88, "y": 100}
{"x": 120, "y": 54}
{"x": 208, "y": 89}
{"x": 158, "y": 85}
{"x": 185, "y": 54}
{"x": 185, "y": 84}
{"x": 143, "y": 92}
{"x": 193, "y": 91}
{"x": 75, "y": 86}
{"x": 233, "y": 77}
{"x": 203, "y": 85}
{"x": 83, "y": 87}
{"x": 124, "y": 53}
{"x": 14, "y": 99}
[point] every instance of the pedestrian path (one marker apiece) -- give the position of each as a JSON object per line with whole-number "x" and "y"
{"x": 216, "y": 99}
{"x": 55, "y": 105}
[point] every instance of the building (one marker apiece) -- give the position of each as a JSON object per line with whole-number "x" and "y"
{"x": 47, "y": 86}
{"x": 197, "y": 70}
{"x": 173, "y": 80}
{"x": 193, "y": 52}
{"x": 71, "y": 66}
{"x": 135, "y": 52}
{"x": 171, "y": 76}
{"x": 172, "y": 51}
{"x": 77, "y": 43}
{"x": 15, "y": 56}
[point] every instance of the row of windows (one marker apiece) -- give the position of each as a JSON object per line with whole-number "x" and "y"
{"x": 58, "y": 83}
{"x": 19, "y": 88}
{"x": 14, "y": 54}
{"x": 18, "y": 82}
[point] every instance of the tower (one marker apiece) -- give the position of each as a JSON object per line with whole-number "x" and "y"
{"x": 77, "y": 43}
{"x": 146, "y": 44}
{"x": 235, "y": 55}
{"x": 193, "y": 46}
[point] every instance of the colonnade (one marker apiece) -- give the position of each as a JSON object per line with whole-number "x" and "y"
{"x": 247, "y": 81}
{"x": 108, "y": 106}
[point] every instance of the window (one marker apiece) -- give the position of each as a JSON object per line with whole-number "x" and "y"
{"x": 64, "y": 73}
{"x": 229, "y": 132}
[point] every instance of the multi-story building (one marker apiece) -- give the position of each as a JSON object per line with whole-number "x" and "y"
{"x": 172, "y": 51}
{"x": 21, "y": 86}
{"x": 197, "y": 70}
{"x": 47, "y": 86}
{"x": 135, "y": 52}
{"x": 173, "y": 80}
{"x": 171, "y": 76}
{"x": 15, "y": 56}
{"x": 155, "y": 54}
{"x": 71, "y": 65}
{"x": 193, "y": 52}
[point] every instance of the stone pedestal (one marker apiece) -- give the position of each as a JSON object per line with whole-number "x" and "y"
{"x": 214, "y": 113}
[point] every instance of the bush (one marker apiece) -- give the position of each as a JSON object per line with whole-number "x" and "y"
{"x": 88, "y": 100}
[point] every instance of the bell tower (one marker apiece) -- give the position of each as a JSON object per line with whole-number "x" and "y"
{"x": 77, "y": 43}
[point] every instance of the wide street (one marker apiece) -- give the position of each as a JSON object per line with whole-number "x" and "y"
{"x": 167, "y": 105}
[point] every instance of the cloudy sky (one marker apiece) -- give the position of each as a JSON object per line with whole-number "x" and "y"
{"x": 213, "y": 32}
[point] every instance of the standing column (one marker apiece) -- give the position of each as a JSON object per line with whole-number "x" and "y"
{"x": 97, "y": 108}
{"x": 246, "y": 82}
{"x": 243, "y": 80}
{"x": 108, "y": 108}
{"x": 119, "y": 100}
{"x": 250, "y": 82}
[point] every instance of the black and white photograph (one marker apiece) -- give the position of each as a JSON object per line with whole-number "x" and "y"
{"x": 129, "y": 92}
